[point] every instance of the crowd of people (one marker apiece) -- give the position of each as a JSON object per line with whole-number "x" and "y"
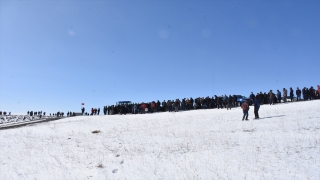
{"x": 185, "y": 104}
{"x": 4, "y": 113}
{"x": 219, "y": 102}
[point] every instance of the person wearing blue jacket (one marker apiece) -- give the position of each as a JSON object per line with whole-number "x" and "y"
{"x": 256, "y": 104}
{"x": 279, "y": 96}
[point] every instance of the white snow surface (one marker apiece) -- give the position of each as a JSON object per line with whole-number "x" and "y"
{"x": 198, "y": 144}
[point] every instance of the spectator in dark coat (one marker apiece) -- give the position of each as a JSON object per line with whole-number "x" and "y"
{"x": 251, "y": 95}
{"x": 256, "y": 104}
{"x": 230, "y": 102}
{"x": 298, "y": 93}
{"x": 304, "y": 93}
{"x": 291, "y": 94}
{"x": 176, "y": 105}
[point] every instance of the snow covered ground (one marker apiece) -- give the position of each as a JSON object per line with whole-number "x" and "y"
{"x": 202, "y": 144}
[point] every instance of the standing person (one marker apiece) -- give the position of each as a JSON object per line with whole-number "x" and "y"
{"x": 291, "y": 94}
{"x": 169, "y": 104}
{"x": 219, "y": 102}
{"x": 153, "y": 106}
{"x": 104, "y": 110}
{"x": 234, "y": 100}
{"x": 251, "y": 96}
{"x": 82, "y": 110}
{"x": 230, "y": 102}
{"x": 285, "y": 95}
{"x": 261, "y": 98}
{"x": 304, "y": 93}
{"x": 191, "y": 103}
{"x": 143, "y": 108}
{"x": 307, "y": 94}
{"x": 271, "y": 97}
{"x": 298, "y": 93}
{"x": 98, "y": 111}
{"x": 176, "y": 105}
{"x": 245, "y": 108}
{"x": 135, "y": 108}
{"x": 279, "y": 96}
{"x": 164, "y": 106}
{"x": 256, "y": 104}
{"x": 312, "y": 93}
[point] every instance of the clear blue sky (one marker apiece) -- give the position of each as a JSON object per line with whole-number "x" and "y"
{"x": 54, "y": 55}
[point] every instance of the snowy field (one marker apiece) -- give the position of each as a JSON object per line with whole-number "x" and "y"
{"x": 202, "y": 144}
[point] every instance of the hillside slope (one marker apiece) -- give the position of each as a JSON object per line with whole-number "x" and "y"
{"x": 202, "y": 144}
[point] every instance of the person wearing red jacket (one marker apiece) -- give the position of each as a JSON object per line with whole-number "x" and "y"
{"x": 143, "y": 107}
{"x": 245, "y": 108}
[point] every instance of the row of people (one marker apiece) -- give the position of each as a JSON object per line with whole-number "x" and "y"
{"x": 218, "y": 102}
{"x": 5, "y": 113}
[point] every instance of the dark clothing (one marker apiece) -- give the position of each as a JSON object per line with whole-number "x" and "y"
{"x": 291, "y": 94}
{"x": 279, "y": 96}
{"x": 245, "y": 115}
{"x": 256, "y": 112}
{"x": 256, "y": 104}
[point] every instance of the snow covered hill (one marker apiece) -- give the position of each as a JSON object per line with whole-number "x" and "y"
{"x": 202, "y": 144}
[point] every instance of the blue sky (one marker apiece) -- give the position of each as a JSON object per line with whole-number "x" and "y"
{"x": 54, "y": 55}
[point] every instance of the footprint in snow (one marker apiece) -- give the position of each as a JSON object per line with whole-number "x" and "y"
{"x": 121, "y": 162}
{"x": 115, "y": 171}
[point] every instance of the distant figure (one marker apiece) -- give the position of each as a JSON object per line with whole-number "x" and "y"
{"x": 251, "y": 96}
{"x": 135, "y": 108}
{"x": 82, "y": 110}
{"x": 143, "y": 107}
{"x": 169, "y": 104}
{"x": 256, "y": 104}
{"x": 298, "y": 93}
{"x": 291, "y": 94}
{"x": 230, "y": 102}
{"x": 271, "y": 97}
{"x": 177, "y": 105}
{"x": 304, "y": 94}
{"x": 312, "y": 93}
{"x": 285, "y": 95}
{"x": 98, "y": 111}
{"x": 279, "y": 96}
{"x": 245, "y": 109}
{"x": 104, "y": 110}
